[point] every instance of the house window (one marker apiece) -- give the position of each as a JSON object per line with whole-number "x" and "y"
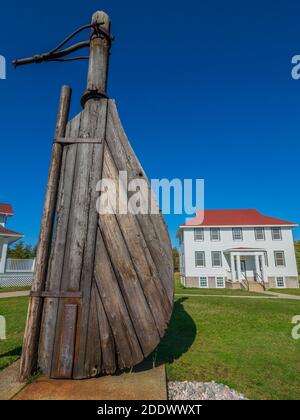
{"x": 260, "y": 234}
{"x": 279, "y": 258}
{"x": 220, "y": 282}
{"x": 203, "y": 282}
{"x": 237, "y": 234}
{"x": 276, "y": 234}
{"x": 199, "y": 234}
{"x": 199, "y": 259}
{"x": 214, "y": 234}
{"x": 216, "y": 259}
{"x": 280, "y": 282}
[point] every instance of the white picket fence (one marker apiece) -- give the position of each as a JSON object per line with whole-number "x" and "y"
{"x": 17, "y": 265}
{"x": 17, "y": 273}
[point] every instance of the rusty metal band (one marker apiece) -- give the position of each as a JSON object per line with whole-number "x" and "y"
{"x": 56, "y": 294}
{"x": 77, "y": 140}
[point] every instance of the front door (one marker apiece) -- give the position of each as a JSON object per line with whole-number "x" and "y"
{"x": 243, "y": 268}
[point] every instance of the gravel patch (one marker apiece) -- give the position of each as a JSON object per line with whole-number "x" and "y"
{"x": 202, "y": 391}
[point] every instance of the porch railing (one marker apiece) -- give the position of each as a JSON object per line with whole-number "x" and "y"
{"x": 18, "y": 265}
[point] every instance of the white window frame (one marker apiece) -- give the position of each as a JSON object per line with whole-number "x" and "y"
{"x": 212, "y": 258}
{"x": 263, "y": 232}
{"x": 206, "y": 279}
{"x": 234, "y": 231}
{"x": 280, "y": 233}
{"x": 215, "y": 230}
{"x": 283, "y": 257}
{"x": 198, "y": 231}
{"x": 203, "y": 253}
{"x": 223, "y": 284}
{"x": 283, "y": 281}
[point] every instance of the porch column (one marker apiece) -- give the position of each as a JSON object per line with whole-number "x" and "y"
{"x": 238, "y": 265}
{"x": 3, "y": 257}
{"x": 263, "y": 267}
{"x": 232, "y": 267}
{"x": 257, "y": 270}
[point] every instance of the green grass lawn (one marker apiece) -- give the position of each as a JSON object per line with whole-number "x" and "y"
{"x": 14, "y": 310}
{"x": 287, "y": 291}
{"x": 244, "y": 343}
{"x": 14, "y": 289}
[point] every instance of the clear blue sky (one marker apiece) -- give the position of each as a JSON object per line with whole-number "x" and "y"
{"x": 203, "y": 88}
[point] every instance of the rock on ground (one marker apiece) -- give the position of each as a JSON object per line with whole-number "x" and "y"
{"x": 201, "y": 391}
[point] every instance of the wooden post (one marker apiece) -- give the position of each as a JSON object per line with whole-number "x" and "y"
{"x": 31, "y": 337}
{"x": 98, "y": 61}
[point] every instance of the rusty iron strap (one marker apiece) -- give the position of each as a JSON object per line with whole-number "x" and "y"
{"x": 57, "y": 55}
{"x": 56, "y": 294}
{"x": 77, "y": 140}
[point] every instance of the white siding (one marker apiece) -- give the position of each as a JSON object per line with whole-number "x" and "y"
{"x": 226, "y": 242}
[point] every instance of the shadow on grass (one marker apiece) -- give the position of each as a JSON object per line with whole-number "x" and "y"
{"x": 14, "y": 352}
{"x": 178, "y": 339}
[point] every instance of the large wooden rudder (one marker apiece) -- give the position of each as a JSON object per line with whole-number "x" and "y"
{"x": 102, "y": 293}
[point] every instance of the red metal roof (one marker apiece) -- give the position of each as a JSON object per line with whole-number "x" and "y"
{"x": 241, "y": 217}
{"x": 6, "y": 209}
{"x": 4, "y": 231}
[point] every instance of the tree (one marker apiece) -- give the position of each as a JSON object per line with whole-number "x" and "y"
{"x": 297, "y": 252}
{"x": 175, "y": 259}
{"x": 21, "y": 251}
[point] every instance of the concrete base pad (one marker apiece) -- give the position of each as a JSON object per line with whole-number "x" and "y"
{"x": 9, "y": 381}
{"x": 143, "y": 383}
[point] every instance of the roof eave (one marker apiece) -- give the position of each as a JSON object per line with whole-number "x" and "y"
{"x": 13, "y": 235}
{"x": 240, "y": 225}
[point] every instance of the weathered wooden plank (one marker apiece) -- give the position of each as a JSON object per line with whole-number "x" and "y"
{"x": 67, "y": 340}
{"x": 109, "y": 362}
{"x": 129, "y": 283}
{"x": 97, "y": 113}
{"x": 127, "y": 346}
{"x": 78, "y": 219}
{"x": 144, "y": 266}
{"x": 153, "y": 226}
{"x": 55, "y": 264}
{"x": 93, "y": 356}
{"x": 33, "y": 324}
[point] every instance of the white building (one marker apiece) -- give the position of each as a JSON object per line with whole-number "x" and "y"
{"x": 13, "y": 272}
{"x": 237, "y": 249}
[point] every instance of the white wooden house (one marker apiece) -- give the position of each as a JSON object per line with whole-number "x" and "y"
{"x": 237, "y": 249}
{"x": 13, "y": 272}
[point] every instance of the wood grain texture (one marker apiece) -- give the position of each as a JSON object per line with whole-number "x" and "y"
{"x": 153, "y": 225}
{"x": 109, "y": 289}
{"x": 29, "y": 358}
{"x": 103, "y": 282}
